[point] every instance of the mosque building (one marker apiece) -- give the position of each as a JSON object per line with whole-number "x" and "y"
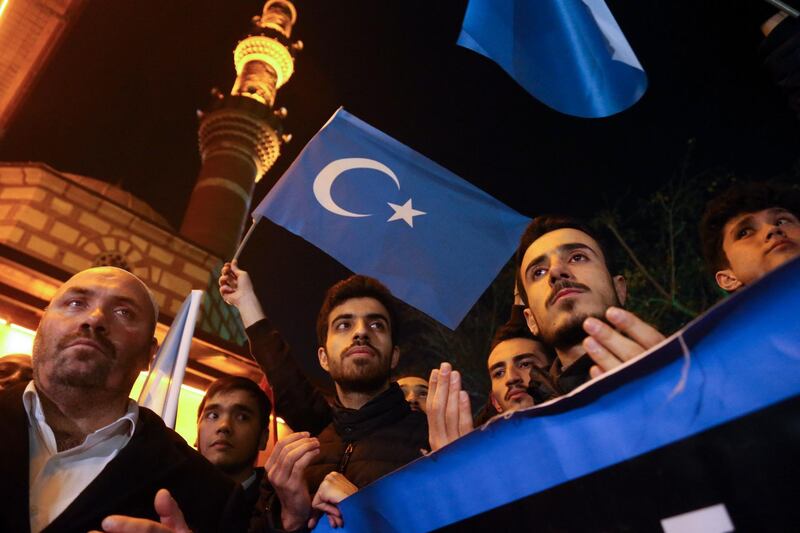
{"x": 54, "y": 223}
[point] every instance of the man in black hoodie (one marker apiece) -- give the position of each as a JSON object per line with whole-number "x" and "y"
{"x": 369, "y": 431}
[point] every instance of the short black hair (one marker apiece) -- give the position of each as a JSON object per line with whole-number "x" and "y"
{"x": 738, "y": 199}
{"x": 545, "y": 224}
{"x": 515, "y": 328}
{"x": 357, "y": 286}
{"x": 231, "y": 383}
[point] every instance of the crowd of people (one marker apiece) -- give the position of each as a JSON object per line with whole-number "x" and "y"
{"x": 79, "y": 455}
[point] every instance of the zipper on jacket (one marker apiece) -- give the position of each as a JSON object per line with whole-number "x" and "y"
{"x": 345, "y": 458}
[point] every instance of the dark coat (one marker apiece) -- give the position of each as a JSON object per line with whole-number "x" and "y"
{"x": 363, "y": 444}
{"x": 154, "y": 458}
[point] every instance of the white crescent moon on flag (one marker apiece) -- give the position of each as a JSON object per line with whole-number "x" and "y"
{"x": 324, "y": 181}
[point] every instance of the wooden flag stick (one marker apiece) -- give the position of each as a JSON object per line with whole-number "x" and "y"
{"x": 246, "y": 237}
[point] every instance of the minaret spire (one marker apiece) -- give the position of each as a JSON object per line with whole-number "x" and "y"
{"x": 240, "y": 137}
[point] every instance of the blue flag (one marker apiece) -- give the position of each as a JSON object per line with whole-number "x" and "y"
{"x": 569, "y": 54}
{"x": 386, "y": 211}
{"x": 162, "y": 387}
{"x": 676, "y": 422}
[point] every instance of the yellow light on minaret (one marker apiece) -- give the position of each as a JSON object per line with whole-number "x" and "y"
{"x": 241, "y": 136}
{"x": 264, "y": 62}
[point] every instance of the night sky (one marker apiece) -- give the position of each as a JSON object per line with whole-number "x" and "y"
{"x": 118, "y": 102}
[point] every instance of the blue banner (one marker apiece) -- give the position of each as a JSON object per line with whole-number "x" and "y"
{"x": 569, "y": 54}
{"x": 386, "y": 211}
{"x": 739, "y": 360}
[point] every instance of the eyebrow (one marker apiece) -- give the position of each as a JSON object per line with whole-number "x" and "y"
{"x": 569, "y": 247}
{"x": 350, "y": 316}
{"x": 84, "y": 291}
{"x": 236, "y": 406}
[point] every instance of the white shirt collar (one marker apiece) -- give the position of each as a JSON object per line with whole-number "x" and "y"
{"x": 33, "y": 407}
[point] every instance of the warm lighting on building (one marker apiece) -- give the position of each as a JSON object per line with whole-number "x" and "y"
{"x": 3, "y": 4}
{"x": 15, "y": 339}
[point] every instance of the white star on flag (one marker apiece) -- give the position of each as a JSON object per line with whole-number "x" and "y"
{"x": 405, "y": 212}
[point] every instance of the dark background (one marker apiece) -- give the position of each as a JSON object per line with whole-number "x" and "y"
{"x": 118, "y": 102}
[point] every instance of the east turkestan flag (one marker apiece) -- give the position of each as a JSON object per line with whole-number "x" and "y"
{"x": 386, "y": 211}
{"x": 569, "y": 54}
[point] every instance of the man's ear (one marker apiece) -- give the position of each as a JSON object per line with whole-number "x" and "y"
{"x": 151, "y": 354}
{"x": 727, "y": 280}
{"x": 495, "y": 403}
{"x": 322, "y": 355}
{"x": 532, "y": 325}
{"x": 395, "y": 356}
{"x": 262, "y": 439}
{"x": 621, "y": 288}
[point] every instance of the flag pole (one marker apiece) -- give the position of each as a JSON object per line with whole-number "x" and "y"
{"x": 789, "y": 10}
{"x": 256, "y": 219}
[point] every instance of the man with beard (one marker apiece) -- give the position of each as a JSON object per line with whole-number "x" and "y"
{"x": 369, "y": 431}
{"x": 574, "y": 303}
{"x": 749, "y": 230}
{"x": 232, "y": 426}
{"x": 76, "y": 448}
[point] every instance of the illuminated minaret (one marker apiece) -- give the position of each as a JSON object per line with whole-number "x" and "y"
{"x": 240, "y": 137}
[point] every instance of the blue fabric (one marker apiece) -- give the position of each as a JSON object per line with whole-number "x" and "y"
{"x": 569, "y": 54}
{"x": 744, "y": 355}
{"x": 156, "y": 387}
{"x": 439, "y": 260}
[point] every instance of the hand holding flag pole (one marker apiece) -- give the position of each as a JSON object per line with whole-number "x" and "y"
{"x": 256, "y": 219}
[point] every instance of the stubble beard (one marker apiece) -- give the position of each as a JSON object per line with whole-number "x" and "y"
{"x": 362, "y": 376}
{"x": 571, "y": 332}
{"x": 61, "y": 372}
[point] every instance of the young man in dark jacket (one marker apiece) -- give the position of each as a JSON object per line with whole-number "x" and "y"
{"x": 369, "y": 431}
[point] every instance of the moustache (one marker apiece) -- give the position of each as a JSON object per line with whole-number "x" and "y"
{"x": 565, "y": 284}
{"x": 359, "y": 344}
{"x": 514, "y": 390}
{"x": 106, "y": 345}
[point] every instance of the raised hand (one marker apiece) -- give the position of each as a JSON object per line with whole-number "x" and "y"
{"x": 285, "y": 468}
{"x": 610, "y": 347}
{"x": 236, "y": 288}
{"x": 448, "y": 407}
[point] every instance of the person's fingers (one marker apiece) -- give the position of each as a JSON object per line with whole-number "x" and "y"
{"x": 595, "y": 372}
{"x": 611, "y": 340}
{"x": 634, "y": 327}
{"x": 432, "y": 383}
{"x": 235, "y": 268}
{"x": 437, "y": 425}
{"x": 604, "y": 359}
{"x": 280, "y": 461}
{"x": 465, "y": 424}
{"x": 127, "y": 524}
{"x": 452, "y": 409}
{"x": 306, "y": 455}
{"x": 286, "y": 464}
{"x": 169, "y": 511}
{"x": 326, "y": 507}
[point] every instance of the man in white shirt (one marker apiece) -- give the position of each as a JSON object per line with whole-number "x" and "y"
{"x": 76, "y": 448}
